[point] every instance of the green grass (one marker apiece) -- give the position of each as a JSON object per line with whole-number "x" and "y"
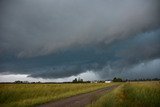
{"x": 24, "y": 95}
{"x": 134, "y": 94}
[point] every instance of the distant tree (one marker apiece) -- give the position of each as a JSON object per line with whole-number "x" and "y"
{"x": 80, "y": 81}
{"x": 18, "y": 82}
{"x": 87, "y": 81}
{"x": 75, "y": 80}
{"x": 117, "y": 79}
{"x": 101, "y": 81}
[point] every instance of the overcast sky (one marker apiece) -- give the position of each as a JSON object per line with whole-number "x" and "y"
{"x": 62, "y": 39}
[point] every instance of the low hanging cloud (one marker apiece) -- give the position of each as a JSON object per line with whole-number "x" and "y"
{"x": 148, "y": 69}
{"x": 59, "y": 38}
{"x": 106, "y": 61}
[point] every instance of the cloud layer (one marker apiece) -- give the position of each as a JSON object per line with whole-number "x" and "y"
{"x": 56, "y": 39}
{"x": 32, "y": 28}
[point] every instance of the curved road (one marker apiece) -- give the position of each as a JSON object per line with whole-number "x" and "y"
{"x": 80, "y": 100}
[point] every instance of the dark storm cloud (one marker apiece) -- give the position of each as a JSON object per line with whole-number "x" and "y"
{"x": 61, "y": 38}
{"x": 119, "y": 58}
{"x": 32, "y": 28}
{"x": 143, "y": 70}
{"x": 143, "y": 49}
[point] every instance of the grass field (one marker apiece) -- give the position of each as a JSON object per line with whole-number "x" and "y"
{"x": 21, "y": 95}
{"x": 134, "y": 94}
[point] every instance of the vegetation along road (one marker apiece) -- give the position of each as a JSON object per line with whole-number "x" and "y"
{"x": 115, "y": 94}
{"x": 80, "y": 100}
{"x": 31, "y": 95}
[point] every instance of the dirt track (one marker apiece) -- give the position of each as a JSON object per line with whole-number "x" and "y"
{"x": 79, "y": 100}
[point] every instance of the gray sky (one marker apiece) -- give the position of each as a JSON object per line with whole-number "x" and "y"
{"x": 53, "y": 39}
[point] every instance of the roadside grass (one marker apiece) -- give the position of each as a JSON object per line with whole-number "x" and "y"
{"x": 24, "y": 95}
{"x": 133, "y": 94}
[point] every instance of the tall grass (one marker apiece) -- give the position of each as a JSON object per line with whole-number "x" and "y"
{"x": 137, "y": 94}
{"x": 21, "y": 95}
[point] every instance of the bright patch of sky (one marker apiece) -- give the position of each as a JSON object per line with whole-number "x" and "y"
{"x": 89, "y": 75}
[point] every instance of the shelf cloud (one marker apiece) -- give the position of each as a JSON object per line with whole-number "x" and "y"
{"x": 59, "y": 38}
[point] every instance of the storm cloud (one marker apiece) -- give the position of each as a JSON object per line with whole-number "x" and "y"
{"x": 62, "y": 38}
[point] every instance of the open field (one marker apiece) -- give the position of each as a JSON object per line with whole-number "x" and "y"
{"x": 129, "y": 94}
{"x": 133, "y": 94}
{"x": 21, "y": 95}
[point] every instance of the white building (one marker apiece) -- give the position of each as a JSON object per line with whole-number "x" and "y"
{"x": 107, "y": 81}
